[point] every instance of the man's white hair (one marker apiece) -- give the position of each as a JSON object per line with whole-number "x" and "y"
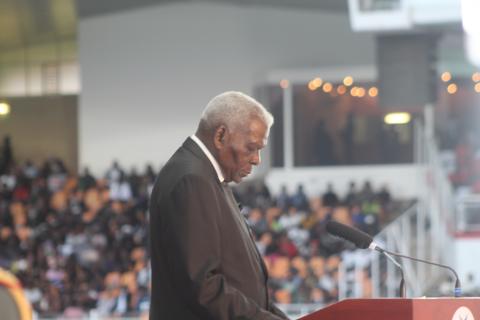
{"x": 233, "y": 109}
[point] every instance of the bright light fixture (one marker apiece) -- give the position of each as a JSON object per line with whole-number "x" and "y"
{"x": 470, "y": 13}
{"x": 471, "y": 26}
{"x": 397, "y": 118}
{"x": 4, "y": 108}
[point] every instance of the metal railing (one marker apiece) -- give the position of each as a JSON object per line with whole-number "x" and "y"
{"x": 423, "y": 231}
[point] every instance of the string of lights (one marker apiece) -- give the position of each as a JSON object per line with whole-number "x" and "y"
{"x": 346, "y": 87}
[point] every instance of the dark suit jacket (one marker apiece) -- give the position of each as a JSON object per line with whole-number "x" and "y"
{"x": 204, "y": 263}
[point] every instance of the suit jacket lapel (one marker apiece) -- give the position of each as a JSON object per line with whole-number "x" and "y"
{"x": 249, "y": 231}
{"x": 193, "y": 147}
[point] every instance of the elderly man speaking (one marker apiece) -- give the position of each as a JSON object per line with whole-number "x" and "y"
{"x": 204, "y": 262}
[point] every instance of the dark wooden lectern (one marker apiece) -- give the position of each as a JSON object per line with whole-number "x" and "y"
{"x": 400, "y": 309}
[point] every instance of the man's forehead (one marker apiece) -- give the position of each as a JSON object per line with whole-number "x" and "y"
{"x": 257, "y": 128}
{"x": 257, "y": 125}
{"x": 259, "y": 138}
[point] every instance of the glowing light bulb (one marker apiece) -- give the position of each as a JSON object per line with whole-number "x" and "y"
{"x": 476, "y": 77}
{"x": 452, "y": 88}
{"x": 360, "y": 92}
{"x": 312, "y": 86}
{"x": 327, "y": 87}
{"x": 446, "y": 76}
{"x": 317, "y": 82}
{"x": 477, "y": 88}
{"x": 353, "y": 91}
{"x": 348, "y": 81}
{"x": 341, "y": 89}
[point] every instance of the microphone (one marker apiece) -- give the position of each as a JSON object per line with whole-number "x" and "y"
{"x": 359, "y": 238}
{"x": 364, "y": 241}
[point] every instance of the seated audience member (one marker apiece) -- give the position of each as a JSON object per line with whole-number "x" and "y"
{"x": 300, "y": 200}
{"x": 330, "y": 198}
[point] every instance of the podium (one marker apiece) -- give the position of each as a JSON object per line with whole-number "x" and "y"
{"x": 400, "y": 309}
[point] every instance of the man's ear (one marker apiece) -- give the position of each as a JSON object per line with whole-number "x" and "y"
{"x": 220, "y": 137}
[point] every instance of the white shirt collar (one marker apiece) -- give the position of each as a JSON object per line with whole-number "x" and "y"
{"x": 210, "y": 157}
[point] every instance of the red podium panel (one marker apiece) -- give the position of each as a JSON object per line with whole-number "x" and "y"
{"x": 400, "y": 309}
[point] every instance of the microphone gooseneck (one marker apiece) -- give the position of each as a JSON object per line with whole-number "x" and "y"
{"x": 402, "y": 291}
{"x": 458, "y": 288}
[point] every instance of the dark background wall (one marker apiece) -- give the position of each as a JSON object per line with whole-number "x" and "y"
{"x": 42, "y": 127}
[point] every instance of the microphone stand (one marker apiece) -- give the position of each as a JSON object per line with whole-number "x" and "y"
{"x": 402, "y": 291}
{"x": 458, "y": 289}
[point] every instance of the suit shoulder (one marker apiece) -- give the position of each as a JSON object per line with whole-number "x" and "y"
{"x": 183, "y": 163}
{"x": 183, "y": 167}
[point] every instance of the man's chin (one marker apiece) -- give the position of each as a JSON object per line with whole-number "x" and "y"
{"x": 239, "y": 178}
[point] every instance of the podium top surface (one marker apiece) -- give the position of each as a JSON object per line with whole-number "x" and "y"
{"x": 400, "y": 309}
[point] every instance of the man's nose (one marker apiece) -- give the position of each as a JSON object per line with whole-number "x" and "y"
{"x": 256, "y": 159}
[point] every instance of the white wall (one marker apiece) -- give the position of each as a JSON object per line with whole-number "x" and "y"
{"x": 467, "y": 259}
{"x": 403, "y": 181}
{"x": 147, "y": 74}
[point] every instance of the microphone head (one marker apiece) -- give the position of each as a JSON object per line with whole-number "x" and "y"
{"x": 359, "y": 238}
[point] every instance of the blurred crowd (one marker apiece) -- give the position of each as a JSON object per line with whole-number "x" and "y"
{"x": 290, "y": 232}
{"x": 75, "y": 242}
{"x": 79, "y": 243}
